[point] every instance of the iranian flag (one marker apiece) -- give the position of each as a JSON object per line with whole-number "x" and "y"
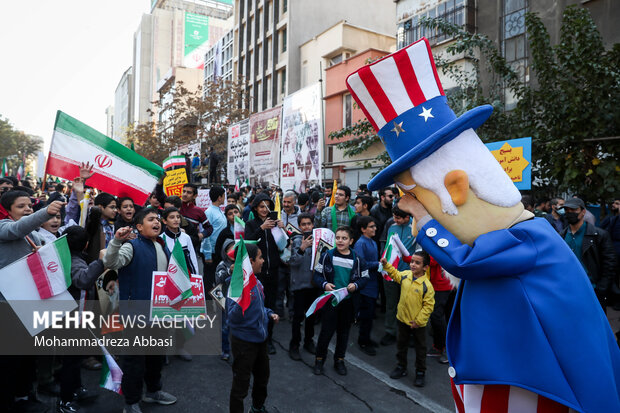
{"x": 245, "y": 183}
{"x": 111, "y": 373}
{"x": 117, "y": 169}
{"x": 239, "y": 228}
{"x": 5, "y": 169}
{"x": 50, "y": 268}
{"x": 336, "y": 296}
{"x": 394, "y": 252}
{"x": 172, "y": 161}
{"x": 178, "y": 285}
{"x": 243, "y": 279}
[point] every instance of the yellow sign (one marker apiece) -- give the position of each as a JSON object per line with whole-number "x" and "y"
{"x": 174, "y": 181}
{"x": 512, "y": 161}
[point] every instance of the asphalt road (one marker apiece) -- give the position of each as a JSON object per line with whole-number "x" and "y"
{"x": 203, "y": 384}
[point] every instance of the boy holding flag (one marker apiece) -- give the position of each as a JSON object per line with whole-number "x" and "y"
{"x": 338, "y": 268}
{"x": 135, "y": 260}
{"x": 248, "y": 319}
{"x": 417, "y": 299}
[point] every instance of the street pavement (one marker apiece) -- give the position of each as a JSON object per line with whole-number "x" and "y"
{"x": 203, "y": 384}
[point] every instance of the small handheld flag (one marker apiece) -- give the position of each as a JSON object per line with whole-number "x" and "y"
{"x": 178, "y": 286}
{"x": 239, "y": 228}
{"x": 336, "y": 296}
{"x": 172, "y": 161}
{"x": 111, "y": 373}
{"x": 243, "y": 279}
{"x": 394, "y": 252}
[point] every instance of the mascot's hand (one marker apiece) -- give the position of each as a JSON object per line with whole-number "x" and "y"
{"x": 410, "y": 204}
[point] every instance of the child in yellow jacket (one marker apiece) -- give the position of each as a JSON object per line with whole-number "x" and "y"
{"x": 417, "y": 300}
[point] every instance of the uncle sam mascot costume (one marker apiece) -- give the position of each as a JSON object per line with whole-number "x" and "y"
{"x": 527, "y": 333}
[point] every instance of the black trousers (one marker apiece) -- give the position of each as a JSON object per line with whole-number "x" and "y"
{"x": 70, "y": 376}
{"x": 302, "y": 299}
{"x": 137, "y": 369}
{"x": 249, "y": 359}
{"x": 271, "y": 294}
{"x": 438, "y": 319}
{"x": 365, "y": 316}
{"x": 335, "y": 319}
{"x": 402, "y": 345}
{"x": 17, "y": 373}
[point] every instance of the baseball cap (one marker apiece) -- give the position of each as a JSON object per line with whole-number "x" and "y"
{"x": 574, "y": 203}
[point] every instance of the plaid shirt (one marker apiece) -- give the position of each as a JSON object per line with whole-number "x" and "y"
{"x": 324, "y": 219}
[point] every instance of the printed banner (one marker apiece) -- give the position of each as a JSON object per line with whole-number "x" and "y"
{"x": 174, "y": 181}
{"x": 515, "y": 157}
{"x": 239, "y": 152}
{"x": 194, "y": 306}
{"x": 302, "y": 137}
{"x": 265, "y": 146}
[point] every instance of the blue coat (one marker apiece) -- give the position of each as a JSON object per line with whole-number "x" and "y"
{"x": 366, "y": 249}
{"x": 526, "y": 315}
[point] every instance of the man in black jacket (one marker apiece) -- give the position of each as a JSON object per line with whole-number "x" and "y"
{"x": 260, "y": 229}
{"x": 593, "y": 247}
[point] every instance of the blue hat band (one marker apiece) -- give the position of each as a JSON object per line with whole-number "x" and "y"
{"x": 415, "y": 125}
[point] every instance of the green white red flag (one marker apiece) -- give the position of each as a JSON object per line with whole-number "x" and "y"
{"x": 394, "y": 252}
{"x": 50, "y": 268}
{"x": 117, "y": 169}
{"x": 111, "y": 373}
{"x": 336, "y": 296}
{"x": 5, "y": 169}
{"x": 178, "y": 285}
{"x": 243, "y": 279}
{"x": 239, "y": 228}
{"x": 172, "y": 161}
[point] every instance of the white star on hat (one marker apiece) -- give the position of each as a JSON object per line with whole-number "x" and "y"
{"x": 426, "y": 113}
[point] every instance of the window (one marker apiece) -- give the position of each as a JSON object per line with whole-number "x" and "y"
{"x": 453, "y": 11}
{"x": 336, "y": 59}
{"x": 284, "y": 6}
{"x": 283, "y": 82}
{"x": 514, "y": 43}
{"x": 284, "y": 40}
{"x": 347, "y": 110}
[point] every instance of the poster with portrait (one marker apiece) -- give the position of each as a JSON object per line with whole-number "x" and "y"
{"x": 239, "y": 152}
{"x": 265, "y": 145}
{"x": 302, "y": 137}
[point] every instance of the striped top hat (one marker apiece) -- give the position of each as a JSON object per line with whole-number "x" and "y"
{"x": 402, "y": 97}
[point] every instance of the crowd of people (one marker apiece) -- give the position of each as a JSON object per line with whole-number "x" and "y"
{"x": 135, "y": 240}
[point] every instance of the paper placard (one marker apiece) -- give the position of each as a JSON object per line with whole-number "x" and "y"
{"x": 194, "y": 306}
{"x": 174, "y": 181}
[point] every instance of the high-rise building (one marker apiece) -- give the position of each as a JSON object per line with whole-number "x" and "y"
{"x": 219, "y": 59}
{"x": 177, "y": 33}
{"x": 123, "y": 106}
{"x": 109, "y": 121}
{"x": 503, "y": 22}
{"x": 269, "y": 33}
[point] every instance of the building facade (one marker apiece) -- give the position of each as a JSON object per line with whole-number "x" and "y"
{"x": 109, "y": 121}
{"x": 219, "y": 59}
{"x": 503, "y": 21}
{"x": 177, "y": 33}
{"x": 268, "y": 35}
{"x": 123, "y": 106}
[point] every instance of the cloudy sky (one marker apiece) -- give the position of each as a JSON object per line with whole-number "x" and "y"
{"x": 64, "y": 54}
